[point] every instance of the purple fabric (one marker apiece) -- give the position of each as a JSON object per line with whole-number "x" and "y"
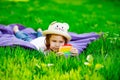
{"x": 7, "y": 37}
{"x": 80, "y": 41}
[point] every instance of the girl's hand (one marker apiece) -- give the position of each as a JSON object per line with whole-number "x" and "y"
{"x": 60, "y": 53}
{"x": 74, "y": 51}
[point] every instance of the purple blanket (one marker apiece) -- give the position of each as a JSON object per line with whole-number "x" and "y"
{"x": 7, "y": 37}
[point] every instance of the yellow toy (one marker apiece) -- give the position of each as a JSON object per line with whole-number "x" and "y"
{"x": 66, "y": 49}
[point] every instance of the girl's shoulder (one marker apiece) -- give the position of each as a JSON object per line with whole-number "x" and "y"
{"x": 39, "y": 42}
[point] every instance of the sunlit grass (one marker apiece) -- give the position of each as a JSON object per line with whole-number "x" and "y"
{"x": 17, "y": 63}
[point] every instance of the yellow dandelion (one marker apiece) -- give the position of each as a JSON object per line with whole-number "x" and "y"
{"x": 18, "y": 0}
{"x": 87, "y": 64}
{"x": 98, "y": 66}
{"x": 43, "y": 65}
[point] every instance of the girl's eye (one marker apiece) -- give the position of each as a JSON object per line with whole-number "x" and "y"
{"x": 53, "y": 41}
{"x": 61, "y": 41}
{"x": 57, "y": 25}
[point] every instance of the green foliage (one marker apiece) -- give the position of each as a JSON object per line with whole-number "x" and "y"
{"x": 17, "y": 63}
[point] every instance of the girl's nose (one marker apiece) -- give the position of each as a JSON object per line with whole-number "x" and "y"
{"x": 57, "y": 44}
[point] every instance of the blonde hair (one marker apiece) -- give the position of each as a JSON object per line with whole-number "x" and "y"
{"x": 47, "y": 41}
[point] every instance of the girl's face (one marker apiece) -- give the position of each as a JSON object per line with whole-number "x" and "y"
{"x": 56, "y": 41}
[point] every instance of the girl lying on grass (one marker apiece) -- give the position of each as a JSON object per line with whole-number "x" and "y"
{"x": 49, "y": 40}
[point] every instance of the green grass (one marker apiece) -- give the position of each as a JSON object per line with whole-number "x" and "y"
{"x": 17, "y": 63}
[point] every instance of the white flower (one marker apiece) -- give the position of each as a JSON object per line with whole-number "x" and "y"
{"x": 49, "y": 64}
{"x": 90, "y": 58}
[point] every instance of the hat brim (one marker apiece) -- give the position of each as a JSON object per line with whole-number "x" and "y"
{"x": 66, "y": 35}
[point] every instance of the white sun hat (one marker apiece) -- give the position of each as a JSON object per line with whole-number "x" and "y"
{"x": 58, "y": 28}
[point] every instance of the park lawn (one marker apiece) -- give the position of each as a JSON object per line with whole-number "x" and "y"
{"x": 18, "y": 63}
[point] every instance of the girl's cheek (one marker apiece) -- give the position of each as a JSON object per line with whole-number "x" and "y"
{"x": 62, "y": 44}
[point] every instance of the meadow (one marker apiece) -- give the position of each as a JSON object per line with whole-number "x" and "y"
{"x": 83, "y": 16}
